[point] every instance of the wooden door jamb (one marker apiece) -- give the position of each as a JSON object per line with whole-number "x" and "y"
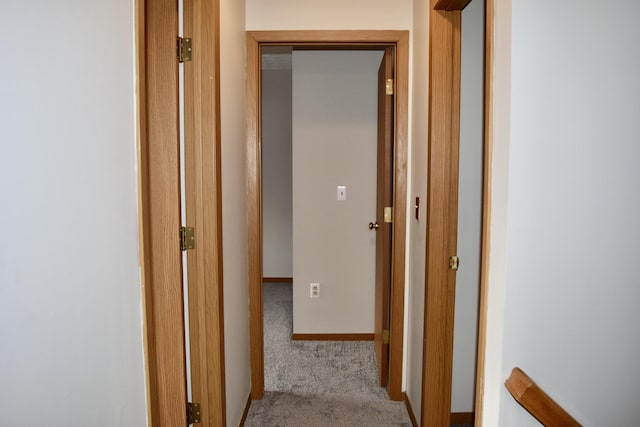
{"x": 159, "y": 210}
{"x": 156, "y": 29}
{"x": 436, "y": 393}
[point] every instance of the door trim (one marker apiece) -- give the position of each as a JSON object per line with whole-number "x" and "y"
{"x": 325, "y": 39}
{"x": 159, "y": 210}
{"x": 442, "y": 214}
{"x": 157, "y": 127}
{"x": 447, "y": 45}
{"x": 203, "y": 198}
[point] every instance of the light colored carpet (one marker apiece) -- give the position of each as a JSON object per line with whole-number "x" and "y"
{"x": 317, "y": 383}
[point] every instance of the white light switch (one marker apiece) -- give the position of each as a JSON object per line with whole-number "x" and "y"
{"x": 342, "y": 192}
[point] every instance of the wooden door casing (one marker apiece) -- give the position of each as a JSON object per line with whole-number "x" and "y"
{"x": 442, "y": 214}
{"x": 159, "y": 212}
{"x": 203, "y": 209}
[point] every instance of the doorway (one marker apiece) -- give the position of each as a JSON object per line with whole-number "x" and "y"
{"x": 320, "y": 114}
{"x": 398, "y": 40}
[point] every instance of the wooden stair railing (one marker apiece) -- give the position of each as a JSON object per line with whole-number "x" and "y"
{"x": 537, "y": 402}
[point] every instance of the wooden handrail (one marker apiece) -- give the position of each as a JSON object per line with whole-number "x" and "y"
{"x": 537, "y": 402}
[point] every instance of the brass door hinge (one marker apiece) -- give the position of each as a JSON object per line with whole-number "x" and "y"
{"x": 385, "y": 336}
{"x": 187, "y": 238}
{"x": 193, "y": 413}
{"x": 388, "y": 213}
{"x": 183, "y": 49}
{"x": 389, "y": 87}
{"x": 454, "y": 262}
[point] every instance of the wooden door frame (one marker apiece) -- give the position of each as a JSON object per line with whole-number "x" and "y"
{"x": 159, "y": 210}
{"x": 442, "y": 207}
{"x": 338, "y": 39}
{"x": 203, "y": 198}
{"x": 445, "y": 22}
{"x": 156, "y": 28}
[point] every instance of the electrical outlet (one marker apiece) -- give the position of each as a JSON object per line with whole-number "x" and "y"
{"x": 314, "y": 290}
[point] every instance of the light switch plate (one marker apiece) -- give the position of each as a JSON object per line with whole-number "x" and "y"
{"x": 342, "y": 193}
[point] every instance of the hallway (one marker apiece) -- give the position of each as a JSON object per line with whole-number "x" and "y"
{"x": 317, "y": 383}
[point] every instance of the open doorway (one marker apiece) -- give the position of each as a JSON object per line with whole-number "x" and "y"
{"x": 327, "y": 172}
{"x": 319, "y": 190}
{"x": 367, "y": 41}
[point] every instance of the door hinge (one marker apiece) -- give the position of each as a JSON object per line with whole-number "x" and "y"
{"x": 187, "y": 238}
{"x": 454, "y": 262}
{"x": 193, "y": 413}
{"x": 385, "y": 336}
{"x": 389, "y": 87}
{"x": 183, "y": 49}
{"x": 388, "y": 214}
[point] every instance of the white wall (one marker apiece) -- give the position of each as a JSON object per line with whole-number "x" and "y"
{"x": 277, "y": 209}
{"x": 234, "y": 208}
{"x": 574, "y": 209}
{"x": 465, "y": 334}
{"x": 328, "y": 15}
{"x": 70, "y": 313}
{"x": 334, "y": 143}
